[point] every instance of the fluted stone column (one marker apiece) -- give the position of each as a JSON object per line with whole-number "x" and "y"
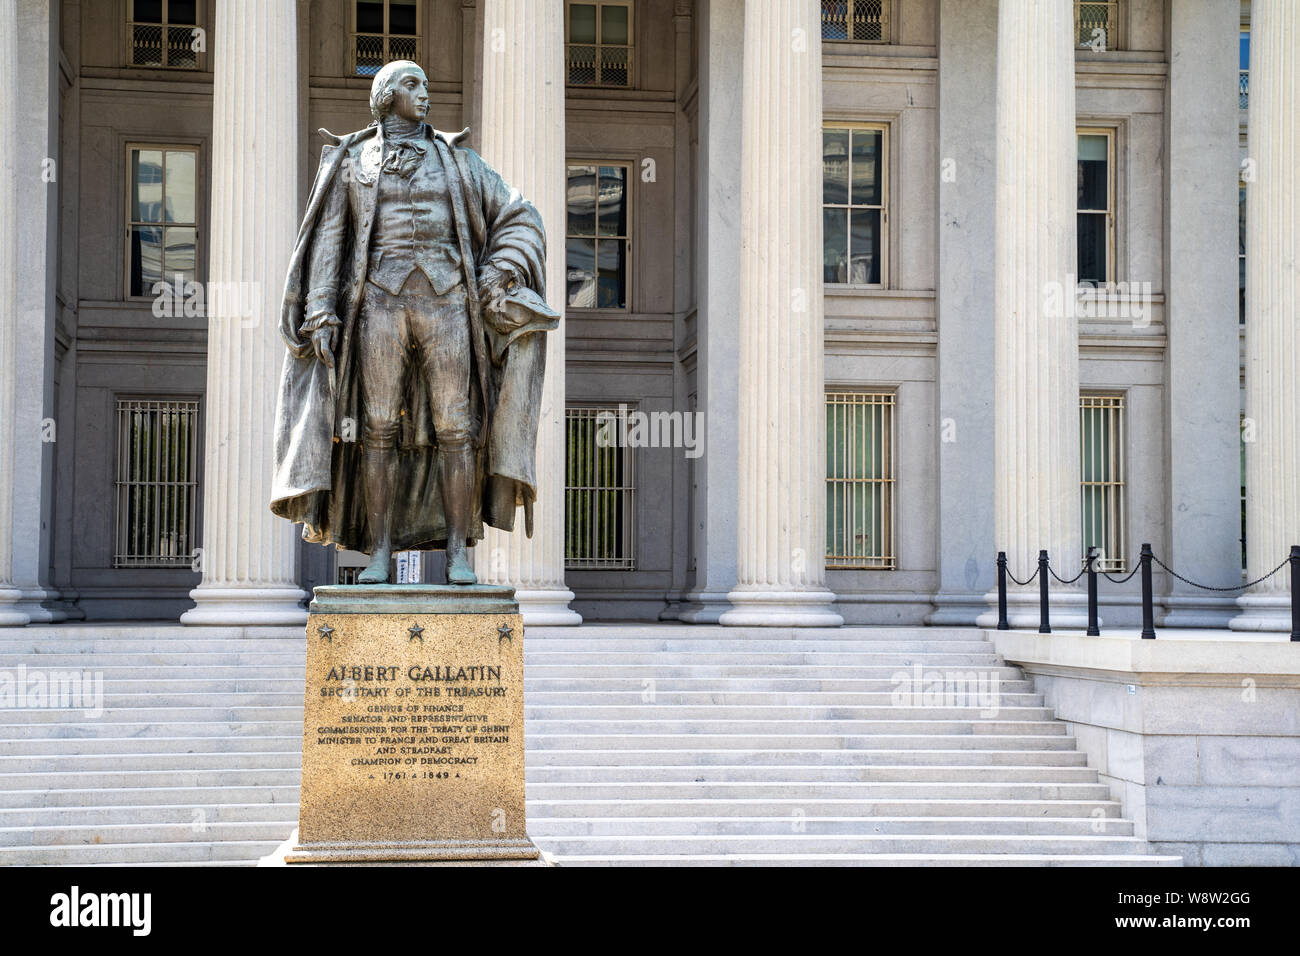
{"x": 781, "y": 555}
{"x": 9, "y": 595}
{"x": 248, "y": 555}
{"x": 1272, "y": 297}
{"x": 1036, "y": 341}
{"x": 522, "y": 137}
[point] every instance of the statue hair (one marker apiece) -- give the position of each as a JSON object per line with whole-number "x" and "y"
{"x": 381, "y": 90}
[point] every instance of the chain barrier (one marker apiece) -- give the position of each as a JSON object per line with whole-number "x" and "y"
{"x": 1136, "y": 568}
{"x": 1206, "y": 587}
{"x": 1073, "y": 579}
{"x": 1023, "y": 583}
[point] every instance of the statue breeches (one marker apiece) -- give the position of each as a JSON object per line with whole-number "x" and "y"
{"x": 417, "y": 325}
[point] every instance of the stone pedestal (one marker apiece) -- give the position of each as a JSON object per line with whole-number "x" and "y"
{"x": 413, "y": 727}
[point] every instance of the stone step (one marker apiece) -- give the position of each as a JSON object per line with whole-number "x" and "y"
{"x": 747, "y": 671}
{"x": 546, "y": 828}
{"x": 689, "y": 650}
{"x": 604, "y": 635}
{"x": 873, "y": 859}
{"x": 801, "y": 790}
{"x": 786, "y": 808}
{"x": 23, "y": 644}
{"x": 895, "y": 660}
{"x": 148, "y": 814}
{"x": 114, "y": 700}
{"x": 573, "y": 726}
{"x": 807, "y": 774}
{"x": 147, "y": 796}
{"x": 538, "y": 740}
{"x": 726, "y": 686}
{"x": 135, "y": 833}
{"x": 90, "y": 729}
{"x": 188, "y": 686}
{"x": 54, "y": 746}
{"x": 781, "y": 714}
{"x": 132, "y": 779}
{"x": 163, "y": 675}
{"x": 773, "y": 843}
{"x": 837, "y": 757}
{"x": 738, "y": 698}
{"x": 85, "y": 763}
{"x": 248, "y": 851}
{"x": 153, "y": 715}
{"x": 251, "y": 656}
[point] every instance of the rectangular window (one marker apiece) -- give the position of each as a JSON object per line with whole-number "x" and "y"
{"x": 163, "y": 33}
{"x": 861, "y": 21}
{"x": 860, "y": 480}
{"x": 1243, "y": 69}
{"x": 162, "y": 216}
{"x": 599, "y": 47}
{"x": 1096, "y": 24}
{"x": 383, "y": 31}
{"x": 1096, "y": 210}
{"x": 1241, "y": 253}
{"x": 599, "y": 490}
{"x": 855, "y": 204}
{"x": 597, "y": 240}
{"x": 158, "y": 449}
{"x": 1101, "y": 445}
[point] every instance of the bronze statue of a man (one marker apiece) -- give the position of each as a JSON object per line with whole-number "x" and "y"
{"x": 414, "y": 314}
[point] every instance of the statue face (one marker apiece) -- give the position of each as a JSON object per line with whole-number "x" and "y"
{"x": 411, "y": 95}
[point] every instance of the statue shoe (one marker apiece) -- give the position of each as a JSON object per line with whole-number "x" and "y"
{"x": 458, "y": 569}
{"x": 377, "y": 572}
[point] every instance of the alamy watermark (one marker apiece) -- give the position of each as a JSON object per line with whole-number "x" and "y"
{"x": 637, "y": 429}
{"x": 22, "y": 688}
{"x": 922, "y": 688}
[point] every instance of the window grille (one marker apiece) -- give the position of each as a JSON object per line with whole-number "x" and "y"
{"x": 383, "y": 31}
{"x": 1096, "y": 24}
{"x": 861, "y": 21}
{"x": 599, "y": 48}
{"x": 860, "y": 480}
{"x": 162, "y": 33}
{"x": 599, "y": 490}
{"x": 158, "y": 452}
{"x": 1101, "y": 440}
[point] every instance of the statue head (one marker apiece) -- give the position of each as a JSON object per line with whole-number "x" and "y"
{"x": 400, "y": 87}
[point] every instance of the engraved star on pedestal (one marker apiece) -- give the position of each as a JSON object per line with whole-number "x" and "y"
{"x": 326, "y": 632}
{"x": 504, "y": 633}
{"x": 416, "y": 632}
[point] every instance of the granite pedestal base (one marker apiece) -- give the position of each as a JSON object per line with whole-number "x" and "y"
{"x": 413, "y": 727}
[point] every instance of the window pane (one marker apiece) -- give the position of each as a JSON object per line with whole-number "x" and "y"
{"x": 146, "y": 259}
{"x": 1093, "y": 16}
{"x": 401, "y": 17}
{"x": 835, "y": 245}
{"x": 180, "y": 188}
{"x": 611, "y": 259}
{"x": 180, "y": 47}
{"x": 613, "y": 24}
{"x": 582, "y": 23}
{"x": 1092, "y": 247}
{"x": 866, "y": 166}
{"x": 1093, "y": 155}
{"x": 835, "y": 166}
{"x": 582, "y": 200}
{"x": 1244, "y": 50}
{"x": 869, "y": 19}
{"x": 864, "y": 245}
{"x": 581, "y": 269}
{"x": 370, "y": 16}
{"x": 835, "y": 18}
{"x": 179, "y": 254}
{"x": 147, "y": 11}
{"x": 612, "y": 210}
{"x": 146, "y": 185}
{"x": 182, "y": 11}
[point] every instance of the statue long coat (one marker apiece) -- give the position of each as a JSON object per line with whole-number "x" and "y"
{"x": 318, "y": 453}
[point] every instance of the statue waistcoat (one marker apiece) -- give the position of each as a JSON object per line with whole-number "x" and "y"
{"x": 414, "y": 229}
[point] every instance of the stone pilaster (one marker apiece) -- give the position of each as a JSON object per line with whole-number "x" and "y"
{"x": 1036, "y": 341}
{"x": 248, "y": 555}
{"x": 522, "y": 137}
{"x": 1272, "y": 298}
{"x": 9, "y": 595}
{"x": 781, "y": 531}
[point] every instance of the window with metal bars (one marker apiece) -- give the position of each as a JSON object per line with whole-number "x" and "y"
{"x": 383, "y": 31}
{"x": 1096, "y": 24}
{"x": 158, "y": 449}
{"x": 860, "y": 480}
{"x": 1101, "y": 446}
{"x": 599, "y": 489}
{"x": 163, "y": 33}
{"x": 599, "y": 48}
{"x": 858, "y": 21}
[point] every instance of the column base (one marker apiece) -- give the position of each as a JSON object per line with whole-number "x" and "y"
{"x": 1205, "y": 612}
{"x": 547, "y": 607}
{"x": 10, "y": 614}
{"x": 781, "y": 609}
{"x": 1067, "y": 611}
{"x": 703, "y": 607}
{"x": 1263, "y": 612}
{"x": 33, "y": 603}
{"x": 957, "y": 609}
{"x": 246, "y": 607}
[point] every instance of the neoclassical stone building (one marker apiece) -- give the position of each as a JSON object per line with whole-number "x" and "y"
{"x": 819, "y": 261}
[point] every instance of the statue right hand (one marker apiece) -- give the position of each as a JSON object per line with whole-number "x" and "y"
{"x": 324, "y": 340}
